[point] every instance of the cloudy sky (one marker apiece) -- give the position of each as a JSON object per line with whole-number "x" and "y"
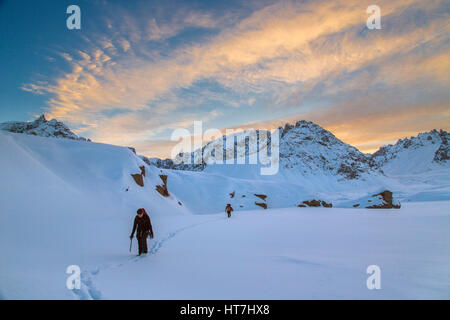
{"x": 137, "y": 70}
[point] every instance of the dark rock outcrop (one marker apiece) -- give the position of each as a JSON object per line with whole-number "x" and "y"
{"x": 315, "y": 203}
{"x": 261, "y": 204}
{"x": 162, "y": 189}
{"x": 138, "y": 179}
{"x": 142, "y": 170}
{"x": 443, "y": 152}
{"x": 386, "y": 201}
{"x": 261, "y": 196}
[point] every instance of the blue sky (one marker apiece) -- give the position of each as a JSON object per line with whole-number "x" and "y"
{"x": 137, "y": 70}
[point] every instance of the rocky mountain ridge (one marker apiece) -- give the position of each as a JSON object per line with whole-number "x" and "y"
{"x": 437, "y": 138}
{"x": 41, "y": 127}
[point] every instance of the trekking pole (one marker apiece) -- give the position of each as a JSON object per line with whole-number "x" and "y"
{"x": 131, "y": 243}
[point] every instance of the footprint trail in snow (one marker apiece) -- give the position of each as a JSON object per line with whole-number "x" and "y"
{"x": 88, "y": 290}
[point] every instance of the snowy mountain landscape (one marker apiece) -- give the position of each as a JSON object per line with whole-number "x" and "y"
{"x": 41, "y": 127}
{"x": 303, "y": 233}
{"x": 228, "y": 155}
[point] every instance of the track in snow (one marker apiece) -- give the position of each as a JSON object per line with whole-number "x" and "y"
{"x": 89, "y": 291}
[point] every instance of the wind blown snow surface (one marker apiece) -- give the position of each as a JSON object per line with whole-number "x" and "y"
{"x": 65, "y": 202}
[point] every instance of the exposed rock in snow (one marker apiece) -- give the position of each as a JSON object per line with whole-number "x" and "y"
{"x": 261, "y": 196}
{"x": 139, "y": 177}
{"x": 384, "y": 200}
{"x": 315, "y": 203}
{"x": 41, "y": 127}
{"x": 261, "y": 204}
{"x": 142, "y": 170}
{"x": 443, "y": 153}
{"x": 381, "y": 200}
{"x": 162, "y": 189}
{"x": 148, "y": 161}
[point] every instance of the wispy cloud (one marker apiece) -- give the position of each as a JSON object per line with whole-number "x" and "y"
{"x": 130, "y": 84}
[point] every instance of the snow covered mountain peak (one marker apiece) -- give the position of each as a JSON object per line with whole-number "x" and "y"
{"x": 308, "y": 131}
{"x": 41, "y": 127}
{"x": 306, "y": 125}
{"x": 433, "y": 144}
{"x": 305, "y": 148}
{"x": 309, "y": 148}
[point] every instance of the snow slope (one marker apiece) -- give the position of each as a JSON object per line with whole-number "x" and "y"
{"x": 59, "y": 197}
{"x": 210, "y": 190}
{"x": 315, "y": 253}
{"x": 420, "y": 166}
{"x": 66, "y": 202}
{"x": 315, "y": 164}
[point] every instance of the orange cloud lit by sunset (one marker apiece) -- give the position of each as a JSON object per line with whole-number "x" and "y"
{"x": 289, "y": 60}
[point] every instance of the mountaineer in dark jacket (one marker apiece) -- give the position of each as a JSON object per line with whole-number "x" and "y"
{"x": 144, "y": 228}
{"x": 228, "y": 210}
